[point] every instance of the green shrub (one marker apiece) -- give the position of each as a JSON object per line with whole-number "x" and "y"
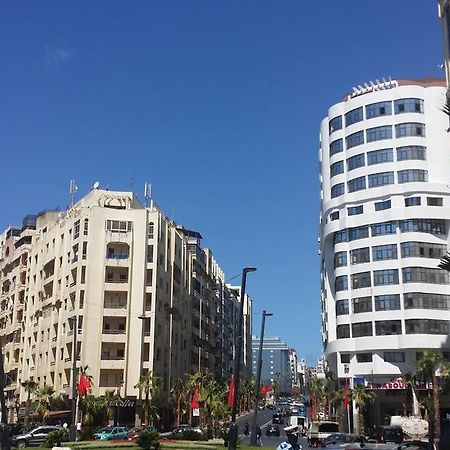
{"x": 192, "y": 435}
{"x": 148, "y": 440}
{"x": 55, "y": 438}
{"x": 87, "y": 433}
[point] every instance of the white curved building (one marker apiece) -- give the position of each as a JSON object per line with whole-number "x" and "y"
{"x": 385, "y": 218}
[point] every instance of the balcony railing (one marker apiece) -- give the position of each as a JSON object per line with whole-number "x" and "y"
{"x": 117, "y": 256}
{"x": 113, "y": 358}
{"x": 113, "y": 331}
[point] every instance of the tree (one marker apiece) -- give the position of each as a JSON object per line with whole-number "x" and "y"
{"x": 362, "y": 397}
{"x": 150, "y": 385}
{"x": 193, "y": 381}
{"x": 409, "y": 380}
{"x": 178, "y": 396}
{"x": 30, "y": 387}
{"x": 94, "y": 411}
{"x": 109, "y": 399}
{"x": 316, "y": 393}
{"x": 43, "y": 401}
{"x": 329, "y": 389}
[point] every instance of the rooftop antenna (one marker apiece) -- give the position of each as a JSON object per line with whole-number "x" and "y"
{"x": 147, "y": 193}
{"x": 73, "y": 188}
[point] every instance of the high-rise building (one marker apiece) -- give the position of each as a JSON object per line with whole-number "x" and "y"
{"x": 385, "y": 219}
{"x": 444, "y": 14}
{"x": 146, "y": 297}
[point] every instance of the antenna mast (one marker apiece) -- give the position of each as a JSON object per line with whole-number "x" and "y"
{"x": 73, "y": 188}
{"x": 147, "y": 193}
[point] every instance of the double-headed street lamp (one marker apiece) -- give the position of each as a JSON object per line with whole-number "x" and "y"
{"x": 233, "y": 433}
{"x": 258, "y": 376}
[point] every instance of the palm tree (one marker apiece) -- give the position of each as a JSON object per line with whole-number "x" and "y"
{"x": 150, "y": 384}
{"x": 179, "y": 397}
{"x": 194, "y": 381}
{"x": 361, "y": 396}
{"x": 429, "y": 363}
{"x": 30, "y": 388}
{"x": 43, "y": 401}
{"x": 409, "y": 380}
{"x": 316, "y": 393}
{"x": 336, "y": 400}
{"x": 93, "y": 409}
{"x": 329, "y": 389}
{"x": 109, "y": 399}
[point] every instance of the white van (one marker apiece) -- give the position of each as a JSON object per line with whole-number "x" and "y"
{"x": 318, "y": 431}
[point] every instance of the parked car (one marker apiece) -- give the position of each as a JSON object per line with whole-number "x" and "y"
{"x": 278, "y": 418}
{"x": 273, "y": 430}
{"x": 319, "y": 431}
{"x": 35, "y": 437}
{"x": 134, "y": 433}
{"x": 177, "y": 433}
{"x": 109, "y": 433}
{"x": 340, "y": 440}
{"x": 388, "y": 434}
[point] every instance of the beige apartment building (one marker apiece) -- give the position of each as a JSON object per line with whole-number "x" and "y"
{"x": 444, "y": 14}
{"x": 145, "y": 294}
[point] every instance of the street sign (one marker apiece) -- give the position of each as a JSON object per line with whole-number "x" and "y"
{"x": 196, "y": 412}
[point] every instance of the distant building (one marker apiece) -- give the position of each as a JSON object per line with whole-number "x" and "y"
{"x": 444, "y": 14}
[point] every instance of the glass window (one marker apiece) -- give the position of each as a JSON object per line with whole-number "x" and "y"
{"x": 387, "y": 302}
{"x": 385, "y": 277}
{"x": 361, "y": 280}
{"x": 380, "y": 156}
{"x": 363, "y": 357}
{"x": 337, "y": 190}
{"x": 340, "y": 236}
{"x": 354, "y": 139}
{"x": 412, "y": 175}
{"x": 381, "y": 179}
{"x": 378, "y": 109}
{"x": 362, "y": 329}
{"x": 410, "y": 129}
{"x": 412, "y": 201}
{"x": 337, "y": 168}
{"x": 357, "y": 184}
{"x": 334, "y": 215}
{"x": 360, "y": 255}
{"x": 394, "y": 357}
{"x": 426, "y": 326}
{"x": 426, "y": 300}
{"x": 384, "y": 252}
{"x": 336, "y": 146}
{"x": 342, "y": 307}
{"x": 343, "y": 331}
{"x": 358, "y": 233}
{"x": 423, "y": 250}
{"x": 408, "y": 105}
{"x": 411, "y": 152}
{"x": 379, "y": 133}
{"x": 362, "y": 305}
{"x": 353, "y": 116}
{"x": 355, "y": 210}
{"x": 340, "y": 259}
{"x": 335, "y": 124}
{"x": 434, "y": 201}
{"x": 424, "y": 275}
{"x": 345, "y": 358}
{"x": 356, "y": 161}
{"x": 386, "y": 327}
{"x": 431, "y": 226}
{"x": 381, "y": 206}
{"x": 383, "y": 228}
{"x": 341, "y": 283}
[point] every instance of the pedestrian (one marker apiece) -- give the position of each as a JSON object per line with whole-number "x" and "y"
{"x": 258, "y": 435}
{"x": 246, "y": 429}
{"x": 291, "y": 442}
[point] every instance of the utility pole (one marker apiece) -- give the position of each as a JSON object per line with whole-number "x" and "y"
{"x": 73, "y": 424}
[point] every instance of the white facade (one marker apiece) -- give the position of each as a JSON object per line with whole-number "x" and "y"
{"x": 444, "y": 14}
{"x": 385, "y": 217}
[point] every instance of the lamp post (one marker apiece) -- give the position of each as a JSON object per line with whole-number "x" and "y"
{"x": 258, "y": 377}
{"x": 233, "y": 433}
{"x": 73, "y": 424}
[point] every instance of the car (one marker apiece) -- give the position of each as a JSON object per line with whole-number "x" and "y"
{"x": 340, "y": 440}
{"x": 319, "y": 431}
{"x": 388, "y": 434}
{"x": 273, "y": 430}
{"x": 278, "y": 418}
{"x": 178, "y": 432}
{"x": 35, "y": 437}
{"x": 110, "y": 433}
{"x": 135, "y": 432}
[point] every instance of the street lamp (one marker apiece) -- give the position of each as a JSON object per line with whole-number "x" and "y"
{"x": 233, "y": 433}
{"x": 258, "y": 376}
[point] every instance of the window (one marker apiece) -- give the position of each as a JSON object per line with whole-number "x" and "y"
{"x": 337, "y": 168}
{"x": 411, "y": 152}
{"x": 383, "y": 228}
{"x": 408, "y": 105}
{"x": 336, "y": 146}
{"x": 76, "y": 229}
{"x": 424, "y": 275}
{"x": 387, "y": 327}
{"x": 358, "y": 233}
{"x": 119, "y": 226}
{"x": 394, "y": 357}
{"x": 378, "y": 109}
{"x": 426, "y": 326}
{"x": 362, "y": 329}
{"x": 340, "y": 236}
{"x": 345, "y": 358}
{"x": 379, "y": 133}
{"x": 342, "y": 307}
{"x": 381, "y": 156}
{"x": 362, "y": 305}
{"x": 360, "y": 255}
{"x": 337, "y": 190}
{"x": 353, "y": 116}
{"x": 385, "y": 277}
{"x": 387, "y": 302}
{"x": 381, "y": 206}
{"x": 343, "y": 331}
{"x": 355, "y": 210}
{"x": 335, "y": 124}
{"x": 412, "y": 175}
{"x": 357, "y": 184}
{"x": 341, "y": 283}
{"x": 426, "y": 300}
{"x": 384, "y": 252}
{"x": 361, "y": 280}
{"x": 356, "y": 161}
{"x": 334, "y": 215}
{"x": 410, "y": 129}
{"x": 340, "y": 259}
{"x": 434, "y": 201}
{"x": 412, "y": 201}
{"x": 381, "y": 179}
{"x": 363, "y": 357}
{"x": 423, "y": 250}
{"x": 431, "y": 226}
{"x": 354, "y": 139}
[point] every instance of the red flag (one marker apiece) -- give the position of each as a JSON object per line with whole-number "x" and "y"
{"x": 269, "y": 388}
{"x": 83, "y": 385}
{"x": 231, "y": 392}
{"x": 194, "y": 403}
{"x": 346, "y": 397}
{"x": 264, "y": 390}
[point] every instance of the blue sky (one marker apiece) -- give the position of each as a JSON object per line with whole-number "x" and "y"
{"x": 216, "y": 103}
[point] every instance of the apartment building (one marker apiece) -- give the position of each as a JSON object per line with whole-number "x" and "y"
{"x": 385, "y": 209}
{"x": 444, "y": 14}
{"x": 142, "y": 289}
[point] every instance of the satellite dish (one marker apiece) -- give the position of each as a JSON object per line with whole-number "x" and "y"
{"x": 96, "y": 185}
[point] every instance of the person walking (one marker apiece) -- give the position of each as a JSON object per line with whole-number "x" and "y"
{"x": 258, "y": 435}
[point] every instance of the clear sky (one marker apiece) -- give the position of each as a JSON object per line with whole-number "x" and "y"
{"x": 216, "y": 102}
